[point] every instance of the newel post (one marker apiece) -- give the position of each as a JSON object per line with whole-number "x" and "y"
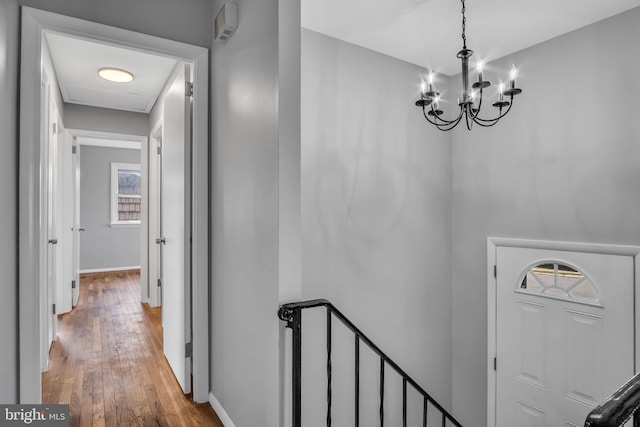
{"x": 293, "y": 317}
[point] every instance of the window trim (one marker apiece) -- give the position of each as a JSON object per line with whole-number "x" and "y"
{"x": 115, "y": 167}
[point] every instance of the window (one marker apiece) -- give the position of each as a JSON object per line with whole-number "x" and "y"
{"x": 125, "y": 193}
{"x": 559, "y": 280}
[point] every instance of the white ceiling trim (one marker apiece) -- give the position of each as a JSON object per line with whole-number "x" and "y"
{"x": 107, "y": 139}
{"x": 109, "y": 143}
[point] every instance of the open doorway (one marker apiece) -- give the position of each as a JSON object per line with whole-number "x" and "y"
{"x": 35, "y": 303}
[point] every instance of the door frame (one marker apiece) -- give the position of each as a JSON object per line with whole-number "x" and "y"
{"x": 492, "y": 292}
{"x": 154, "y": 215}
{"x": 34, "y": 23}
{"x": 126, "y": 141}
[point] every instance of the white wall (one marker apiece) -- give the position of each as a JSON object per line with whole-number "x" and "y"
{"x": 244, "y": 210}
{"x": 376, "y": 206}
{"x": 9, "y": 54}
{"x": 103, "y": 247}
{"x": 564, "y": 165}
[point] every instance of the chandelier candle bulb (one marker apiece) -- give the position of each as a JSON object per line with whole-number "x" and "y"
{"x": 479, "y": 70}
{"x": 512, "y": 76}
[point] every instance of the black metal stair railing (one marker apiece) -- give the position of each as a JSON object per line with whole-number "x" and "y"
{"x": 292, "y": 314}
{"x": 618, "y": 408}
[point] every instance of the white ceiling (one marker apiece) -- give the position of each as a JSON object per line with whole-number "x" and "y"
{"x": 76, "y": 62}
{"x": 428, "y": 32}
{"x": 422, "y": 32}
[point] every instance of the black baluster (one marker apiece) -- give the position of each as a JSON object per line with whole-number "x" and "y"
{"x": 404, "y": 402}
{"x": 296, "y": 328}
{"x": 328, "y": 367}
{"x": 425, "y": 408}
{"x": 444, "y": 420}
{"x": 381, "y": 392}
{"x": 357, "y": 380}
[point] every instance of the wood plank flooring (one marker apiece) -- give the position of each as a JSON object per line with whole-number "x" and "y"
{"x": 108, "y": 365}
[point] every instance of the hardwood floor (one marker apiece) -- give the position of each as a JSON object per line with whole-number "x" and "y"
{"x": 108, "y": 365}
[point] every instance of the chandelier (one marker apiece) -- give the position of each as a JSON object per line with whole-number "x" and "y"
{"x": 471, "y": 102}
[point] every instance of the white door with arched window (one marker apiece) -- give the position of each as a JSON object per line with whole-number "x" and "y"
{"x": 563, "y": 337}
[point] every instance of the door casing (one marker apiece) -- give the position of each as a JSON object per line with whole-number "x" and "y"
{"x": 31, "y": 235}
{"x": 492, "y": 244}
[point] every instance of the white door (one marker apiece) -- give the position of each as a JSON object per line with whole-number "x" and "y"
{"x": 175, "y": 226}
{"x": 564, "y": 334}
{"x": 77, "y": 227}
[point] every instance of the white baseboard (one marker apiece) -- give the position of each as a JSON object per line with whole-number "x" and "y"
{"x": 222, "y": 414}
{"x": 105, "y": 270}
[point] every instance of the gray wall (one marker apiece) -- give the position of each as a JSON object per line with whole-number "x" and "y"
{"x": 245, "y": 331}
{"x": 9, "y": 32}
{"x": 186, "y": 21}
{"x": 101, "y": 245}
{"x": 376, "y": 205}
{"x": 105, "y": 120}
{"x": 564, "y": 165}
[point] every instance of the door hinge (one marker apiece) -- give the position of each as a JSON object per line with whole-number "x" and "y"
{"x": 188, "y": 350}
{"x": 73, "y": 284}
{"x": 159, "y": 149}
{"x": 188, "y": 89}
{"x": 495, "y": 363}
{"x": 54, "y": 309}
{"x": 495, "y": 271}
{"x": 55, "y": 128}
{"x": 74, "y": 149}
{"x": 159, "y": 283}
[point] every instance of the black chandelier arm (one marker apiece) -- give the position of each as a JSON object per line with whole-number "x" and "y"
{"x": 449, "y": 124}
{"x": 446, "y": 125}
{"x": 473, "y": 116}
{"x": 486, "y": 124}
{"x": 445, "y": 129}
{"x": 489, "y": 123}
{"x": 469, "y": 114}
{"x": 445, "y": 122}
{"x": 480, "y": 120}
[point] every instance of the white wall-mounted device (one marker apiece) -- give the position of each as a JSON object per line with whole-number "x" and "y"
{"x": 226, "y": 22}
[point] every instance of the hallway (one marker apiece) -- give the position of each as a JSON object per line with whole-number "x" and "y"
{"x": 107, "y": 362}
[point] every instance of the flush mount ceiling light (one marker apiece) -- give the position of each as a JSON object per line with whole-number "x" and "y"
{"x": 471, "y": 101}
{"x": 115, "y": 75}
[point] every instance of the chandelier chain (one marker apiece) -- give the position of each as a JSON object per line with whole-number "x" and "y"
{"x": 464, "y": 26}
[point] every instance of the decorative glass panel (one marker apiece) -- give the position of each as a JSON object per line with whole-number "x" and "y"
{"x": 559, "y": 280}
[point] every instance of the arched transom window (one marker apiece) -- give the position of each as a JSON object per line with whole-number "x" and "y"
{"x": 559, "y": 280}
